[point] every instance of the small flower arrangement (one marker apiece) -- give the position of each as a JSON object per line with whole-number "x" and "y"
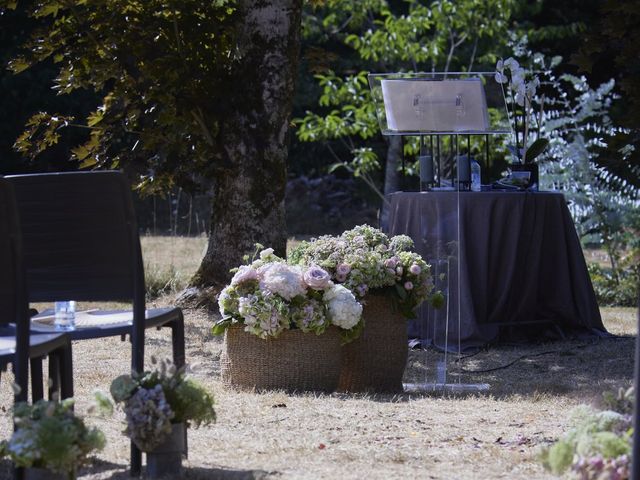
{"x": 50, "y": 436}
{"x": 521, "y": 93}
{"x": 269, "y": 296}
{"x": 365, "y": 260}
{"x": 154, "y": 400}
{"x": 599, "y": 444}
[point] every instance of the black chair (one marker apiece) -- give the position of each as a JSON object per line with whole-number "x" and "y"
{"x": 17, "y": 345}
{"x": 81, "y": 242}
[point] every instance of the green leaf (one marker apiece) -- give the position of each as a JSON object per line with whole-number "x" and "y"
{"x": 402, "y": 293}
{"x": 221, "y": 326}
{"x": 336, "y": 166}
{"x": 437, "y": 300}
{"x": 535, "y": 149}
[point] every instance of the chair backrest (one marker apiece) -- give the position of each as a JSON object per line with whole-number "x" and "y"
{"x": 13, "y": 299}
{"x": 80, "y": 238}
{"x": 9, "y": 243}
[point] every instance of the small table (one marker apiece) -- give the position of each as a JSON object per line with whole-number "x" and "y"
{"x": 516, "y": 255}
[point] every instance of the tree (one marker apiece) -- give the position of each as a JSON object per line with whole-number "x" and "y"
{"x": 193, "y": 93}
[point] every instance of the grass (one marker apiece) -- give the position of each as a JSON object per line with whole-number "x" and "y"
{"x": 495, "y": 434}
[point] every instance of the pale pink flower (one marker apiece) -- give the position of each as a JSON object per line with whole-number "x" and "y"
{"x": 390, "y": 262}
{"x": 244, "y": 274}
{"x": 415, "y": 269}
{"x": 317, "y": 278}
{"x": 343, "y": 269}
{"x": 408, "y": 285}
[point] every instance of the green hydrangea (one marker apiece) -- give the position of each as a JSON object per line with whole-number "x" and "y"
{"x": 51, "y": 436}
{"x": 598, "y": 442}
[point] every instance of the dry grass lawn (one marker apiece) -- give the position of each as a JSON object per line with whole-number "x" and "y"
{"x": 495, "y": 434}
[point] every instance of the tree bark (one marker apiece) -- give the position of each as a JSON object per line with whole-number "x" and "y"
{"x": 248, "y": 200}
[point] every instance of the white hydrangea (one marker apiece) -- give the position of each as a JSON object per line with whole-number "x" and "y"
{"x": 344, "y": 310}
{"x": 282, "y": 279}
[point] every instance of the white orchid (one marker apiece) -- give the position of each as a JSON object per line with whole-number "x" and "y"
{"x": 521, "y": 92}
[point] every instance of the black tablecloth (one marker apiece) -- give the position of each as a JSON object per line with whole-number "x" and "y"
{"x": 517, "y": 257}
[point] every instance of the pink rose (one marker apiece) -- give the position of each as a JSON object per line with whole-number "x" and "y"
{"x": 317, "y": 278}
{"x": 408, "y": 286}
{"x": 415, "y": 269}
{"x": 343, "y": 269}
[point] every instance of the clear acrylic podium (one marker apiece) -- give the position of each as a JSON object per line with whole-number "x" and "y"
{"x": 455, "y": 116}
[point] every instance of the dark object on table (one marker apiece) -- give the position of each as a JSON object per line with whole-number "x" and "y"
{"x": 532, "y": 168}
{"x": 81, "y": 242}
{"x": 427, "y": 179}
{"x": 517, "y": 258}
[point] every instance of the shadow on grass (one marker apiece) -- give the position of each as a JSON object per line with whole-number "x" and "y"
{"x": 575, "y": 368}
{"x": 114, "y": 471}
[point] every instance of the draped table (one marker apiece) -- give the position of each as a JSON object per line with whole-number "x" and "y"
{"x": 510, "y": 265}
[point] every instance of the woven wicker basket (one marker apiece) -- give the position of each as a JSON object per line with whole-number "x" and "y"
{"x": 295, "y": 361}
{"x": 376, "y": 360}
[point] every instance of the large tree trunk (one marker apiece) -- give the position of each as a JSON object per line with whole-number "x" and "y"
{"x": 248, "y": 201}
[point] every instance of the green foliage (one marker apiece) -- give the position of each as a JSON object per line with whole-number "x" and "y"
{"x": 190, "y": 401}
{"x": 597, "y": 442}
{"x": 608, "y": 45}
{"x": 559, "y": 457}
{"x": 611, "y": 290}
{"x": 49, "y": 435}
{"x": 179, "y": 391}
{"x": 621, "y": 401}
{"x": 384, "y": 36}
{"x": 604, "y": 207}
{"x": 160, "y": 67}
{"x": 153, "y": 400}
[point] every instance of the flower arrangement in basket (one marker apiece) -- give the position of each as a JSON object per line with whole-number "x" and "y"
{"x": 367, "y": 261}
{"x": 50, "y": 436}
{"x": 270, "y": 296}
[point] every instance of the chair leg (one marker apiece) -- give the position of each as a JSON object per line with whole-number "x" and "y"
{"x": 54, "y": 376}
{"x": 66, "y": 372}
{"x": 177, "y": 341}
{"x": 136, "y": 461}
{"x": 18, "y": 473}
{"x": 37, "y": 390}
